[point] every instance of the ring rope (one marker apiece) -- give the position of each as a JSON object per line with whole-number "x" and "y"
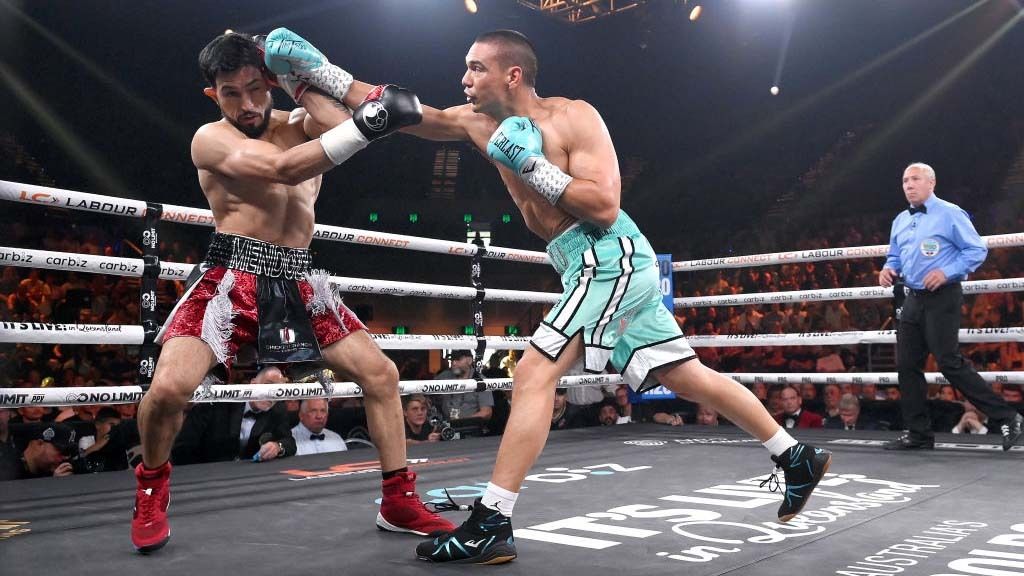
{"x": 133, "y": 267}
{"x": 819, "y": 255}
{"x": 19, "y": 397}
{"x": 43, "y": 333}
{"x": 60, "y": 198}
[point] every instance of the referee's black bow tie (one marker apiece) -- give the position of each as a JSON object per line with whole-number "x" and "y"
{"x": 318, "y": 436}
{"x": 922, "y": 209}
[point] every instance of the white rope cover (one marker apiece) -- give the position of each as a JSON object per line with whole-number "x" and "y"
{"x": 18, "y": 397}
{"x": 60, "y": 198}
{"x": 133, "y": 267}
{"x": 819, "y": 255}
{"x": 39, "y": 333}
{"x": 867, "y": 293}
{"x": 967, "y": 335}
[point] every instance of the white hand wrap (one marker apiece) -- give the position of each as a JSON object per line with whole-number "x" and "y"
{"x": 329, "y": 78}
{"x": 342, "y": 141}
{"x": 547, "y": 179}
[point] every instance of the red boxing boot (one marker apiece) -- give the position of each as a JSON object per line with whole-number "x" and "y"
{"x": 401, "y": 509}
{"x": 150, "y": 530}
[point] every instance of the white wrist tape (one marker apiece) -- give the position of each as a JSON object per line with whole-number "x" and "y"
{"x": 547, "y": 179}
{"x": 331, "y": 79}
{"x": 342, "y": 141}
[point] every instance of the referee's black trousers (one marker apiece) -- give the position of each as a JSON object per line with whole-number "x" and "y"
{"x": 930, "y": 322}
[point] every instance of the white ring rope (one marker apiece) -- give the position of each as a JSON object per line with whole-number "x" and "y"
{"x": 41, "y": 333}
{"x": 69, "y": 261}
{"x": 867, "y": 293}
{"x": 87, "y": 263}
{"x": 819, "y": 255}
{"x": 18, "y": 397}
{"x": 59, "y": 198}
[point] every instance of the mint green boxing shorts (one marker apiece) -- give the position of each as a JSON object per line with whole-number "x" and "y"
{"x": 612, "y": 296}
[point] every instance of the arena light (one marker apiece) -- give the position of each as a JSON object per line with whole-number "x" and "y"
{"x": 695, "y": 13}
{"x": 471, "y": 6}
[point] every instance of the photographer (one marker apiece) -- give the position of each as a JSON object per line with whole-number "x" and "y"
{"x": 476, "y": 405}
{"x": 47, "y": 453}
{"x": 417, "y": 430}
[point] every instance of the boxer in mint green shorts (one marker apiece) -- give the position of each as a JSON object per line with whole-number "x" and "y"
{"x": 613, "y": 301}
{"x": 558, "y": 162}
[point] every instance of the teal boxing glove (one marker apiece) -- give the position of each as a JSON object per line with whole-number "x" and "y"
{"x": 518, "y": 145}
{"x": 290, "y": 55}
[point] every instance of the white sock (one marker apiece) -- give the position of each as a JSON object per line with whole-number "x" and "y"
{"x": 497, "y": 498}
{"x": 779, "y": 443}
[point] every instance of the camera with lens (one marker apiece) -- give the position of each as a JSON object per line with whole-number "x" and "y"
{"x": 85, "y": 464}
{"x": 440, "y": 425}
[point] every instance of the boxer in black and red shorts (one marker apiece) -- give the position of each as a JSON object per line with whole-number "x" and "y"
{"x": 260, "y": 169}
{"x": 248, "y": 291}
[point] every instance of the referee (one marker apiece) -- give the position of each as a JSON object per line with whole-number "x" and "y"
{"x": 933, "y": 246}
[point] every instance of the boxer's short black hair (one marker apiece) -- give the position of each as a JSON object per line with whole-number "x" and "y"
{"x": 516, "y": 50}
{"x": 228, "y": 53}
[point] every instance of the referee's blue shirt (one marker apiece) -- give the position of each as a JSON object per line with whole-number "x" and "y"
{"x": 943, "y": 237}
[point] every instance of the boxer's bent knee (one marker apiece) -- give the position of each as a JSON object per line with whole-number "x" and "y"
{"x": 380, "y": 379}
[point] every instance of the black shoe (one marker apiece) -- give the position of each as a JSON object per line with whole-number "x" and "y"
{"x": 803, "y": 466}
{"x": 485, "y": 538}
{"x": 1012, "y": 430}
{"x": 910, "y": 442}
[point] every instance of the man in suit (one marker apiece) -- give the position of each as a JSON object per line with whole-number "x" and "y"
{"x": 793, "y": 415}
{"x": 224, "y": 431}
{"x": 849, "y": 417}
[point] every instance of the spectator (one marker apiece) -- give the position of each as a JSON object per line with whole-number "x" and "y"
{"x": 833, "y": 394}
{"x": 706, "y": 416}
{"x": 973, "y": 421}
{"x": 310, "y": 435}
{"x": 793, "y": 415}
{"x": 417, "y": 430}
{"x": 225, "y": 431}
{"x": 561, "y": 416}
{"x": 479, "y": 405}
{"x": 106, "y": 418}
{"x": 850, "y": 417}
{"x": 46, "y": 453}
{"x": 608, "y": 413}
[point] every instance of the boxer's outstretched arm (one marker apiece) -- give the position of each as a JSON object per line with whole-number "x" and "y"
{"x": 447, "y": 124}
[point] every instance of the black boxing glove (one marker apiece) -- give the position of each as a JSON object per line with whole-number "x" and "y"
{"x": 385, "y": 109}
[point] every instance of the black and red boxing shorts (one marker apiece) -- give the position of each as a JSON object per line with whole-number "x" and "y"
{"x": 247, "y": 291}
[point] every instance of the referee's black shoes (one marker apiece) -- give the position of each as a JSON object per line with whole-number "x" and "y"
{"x": 1012, "y": 431}
{"x": 910, "y": 441}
